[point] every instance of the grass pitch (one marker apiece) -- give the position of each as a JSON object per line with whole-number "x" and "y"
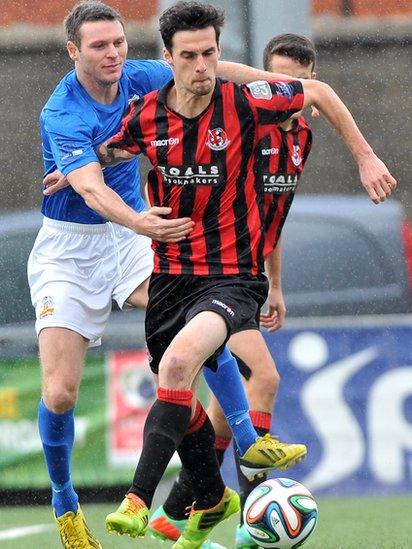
{"x": 344, "y": 523}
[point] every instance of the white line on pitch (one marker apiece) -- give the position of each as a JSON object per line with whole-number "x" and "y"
{"x": 14, "y": 533}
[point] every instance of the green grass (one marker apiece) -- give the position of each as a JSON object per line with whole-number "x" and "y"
{"x": 364, "y": 523}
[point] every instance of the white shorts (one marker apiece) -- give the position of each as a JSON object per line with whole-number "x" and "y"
{"x": 75, "y": 270}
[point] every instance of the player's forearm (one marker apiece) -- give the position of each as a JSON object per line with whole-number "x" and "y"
{"x": 109, "y": 205}
{"x": 239, "y": 73}
{"x": 89, "y": 183}
{"x": 273, "y": 266}
{"x": 323, "y": 97}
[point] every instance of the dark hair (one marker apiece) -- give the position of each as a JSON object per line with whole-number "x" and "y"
{"x": 299, "y": 48}
{"x": 84, "y": 12}
{"x": 189, "y": 16}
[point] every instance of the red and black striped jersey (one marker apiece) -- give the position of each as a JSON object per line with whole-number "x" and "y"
{"x": 280, "y": 158}
{"x": 203, "y": 169}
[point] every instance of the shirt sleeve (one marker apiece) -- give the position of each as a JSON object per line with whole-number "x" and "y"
{"x": 129, "y": 137}
{"x": 274, "y": 102}
{"x": 160, "y": 74}
{"x": 70, "y": 141}
{"x": 150, "y": 74}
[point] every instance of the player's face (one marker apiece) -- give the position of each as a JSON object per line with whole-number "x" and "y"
{"x": 194, "y": 58}
{"x": 102, "y": 52}
{"x": 291, "y": 67}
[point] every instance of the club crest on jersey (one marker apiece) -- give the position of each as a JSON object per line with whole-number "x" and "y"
{"x": 296, "y": 158}
{"x": 69, "y": 151}
{"x": 47, "y": 307}
{"x": 260, "y": 90}
{"x": 217, "y": 139}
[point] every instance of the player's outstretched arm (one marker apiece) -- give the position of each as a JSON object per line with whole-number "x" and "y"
{"x": 89, "y": 183}
{"x": 374, "y": 175}
{"x": 274, "y": 318}
{"x": 239, "y": 73}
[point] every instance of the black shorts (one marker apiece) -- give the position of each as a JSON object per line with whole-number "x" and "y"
{"x": 176, "y": 299}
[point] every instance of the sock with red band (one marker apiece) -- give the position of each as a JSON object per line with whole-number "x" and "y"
{"x": 165, "y": 426}
{"x": 261, "y": 420}
{"x": 221, "y": 445}
{"x": 200, "y": 477}
{"x": 175, "y": 396}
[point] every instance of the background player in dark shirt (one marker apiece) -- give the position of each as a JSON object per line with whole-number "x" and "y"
{"x": 280, "y": 160}
{"x": 184, "y": 112}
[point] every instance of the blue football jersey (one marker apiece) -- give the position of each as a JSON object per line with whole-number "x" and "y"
{"x": 73, "y": 124}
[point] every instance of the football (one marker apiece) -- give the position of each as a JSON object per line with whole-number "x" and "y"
{"x": 280, "y": 513}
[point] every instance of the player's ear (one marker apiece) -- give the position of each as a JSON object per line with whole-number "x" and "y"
{"x": 168, "y": 56}
{"x": 72, "y": 50}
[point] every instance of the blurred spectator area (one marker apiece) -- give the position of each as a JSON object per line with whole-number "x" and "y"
{"x": 364, "y": 51}
{"x": 361, "y": 8}
{"x": 51, "y": 12}
{"x": 42, "y": 12}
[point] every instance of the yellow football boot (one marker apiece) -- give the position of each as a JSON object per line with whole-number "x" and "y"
{"x": 131, "y": 517}
{"x": 269, "y": 453}
{"x": 201, "y": 521}
{"x": 74, "y": 532}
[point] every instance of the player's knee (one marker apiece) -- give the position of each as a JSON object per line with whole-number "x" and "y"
{"x": 174, "y": 371}
{"x": 60, "y": 399}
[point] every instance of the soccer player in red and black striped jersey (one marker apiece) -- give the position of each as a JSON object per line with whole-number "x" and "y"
{"x": 279, "y": 161}
{"x": 200, "y": 135}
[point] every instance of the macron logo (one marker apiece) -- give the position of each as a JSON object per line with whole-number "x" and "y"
{"x": 224, "y": 306}
{"x": 165, "y": 142}
{"x": 267, "y": 152}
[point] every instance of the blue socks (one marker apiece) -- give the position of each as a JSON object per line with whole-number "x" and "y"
{"x": 227, "y": 387}
{"x": 57, "y": 436}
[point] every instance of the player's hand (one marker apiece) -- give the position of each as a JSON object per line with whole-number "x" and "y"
{"x": 274, "y": 318}
{"x": 154, "y": 225}
{"x": 315, "y": 112}
{"x": 375, "y": 178}
{"x": 53, "y": 182}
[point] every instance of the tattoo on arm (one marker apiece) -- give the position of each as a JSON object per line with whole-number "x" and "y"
{"x": 108, "y": 157}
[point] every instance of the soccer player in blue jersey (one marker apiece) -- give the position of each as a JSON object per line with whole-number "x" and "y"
{"x": 80, "y": 261}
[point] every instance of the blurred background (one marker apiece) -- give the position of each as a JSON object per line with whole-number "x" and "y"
{"x": 364, "y": 52}
{"x": 345, "y": 353}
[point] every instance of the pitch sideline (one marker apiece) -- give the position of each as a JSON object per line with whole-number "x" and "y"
{"x": 14, "y": 533}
